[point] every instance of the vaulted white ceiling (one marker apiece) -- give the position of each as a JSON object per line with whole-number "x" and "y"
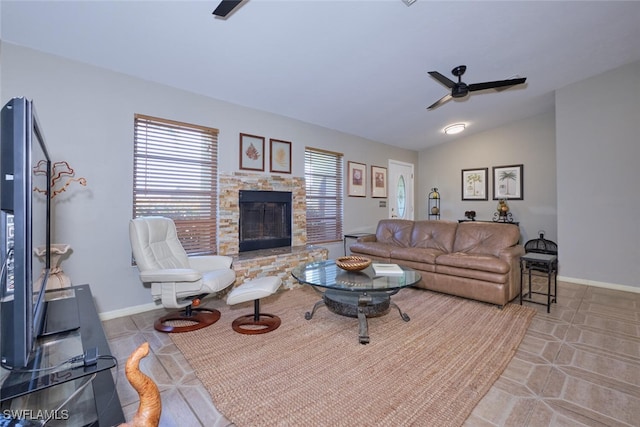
{"x": 354, "y": 65}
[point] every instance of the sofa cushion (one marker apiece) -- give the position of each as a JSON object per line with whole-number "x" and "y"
{"x": 474, "y": 262}
{"x": 485, "y": 237}
{"x": 438, "y": 235}
{"x": 422, "y": 255}
{"x": 467, "y": 273}
{"x": 381, "y": 250}
{"x": 394, "y": 232}
{"x": 416, "y": 265}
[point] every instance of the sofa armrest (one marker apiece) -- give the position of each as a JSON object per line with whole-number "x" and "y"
{"x": 367, "y": 238}
{"x": 512, "y": 254}
{"x": 170, "y": 275}
{"x": 205, "y": 263}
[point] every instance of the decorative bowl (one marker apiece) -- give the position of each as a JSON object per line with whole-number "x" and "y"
{"x": 353, "y": 263}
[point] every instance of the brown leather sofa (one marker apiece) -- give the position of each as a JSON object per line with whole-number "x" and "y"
{"x": 477, "y": 260}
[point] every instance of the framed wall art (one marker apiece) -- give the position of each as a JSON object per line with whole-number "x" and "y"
{"x": 357, "y": 179}
{"x": 475, "y": 185}
{"x": 280, "y": 156}
{"x": 378, "y": 182}
{"x": 251, "y": 152}
{"x": 508, "y": 182}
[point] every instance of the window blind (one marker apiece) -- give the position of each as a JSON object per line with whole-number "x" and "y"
{"x": 175, "y": 175}
{"x": 323, "y": 177}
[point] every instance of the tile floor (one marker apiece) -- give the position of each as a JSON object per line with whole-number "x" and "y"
{"x": 577, "y": 366}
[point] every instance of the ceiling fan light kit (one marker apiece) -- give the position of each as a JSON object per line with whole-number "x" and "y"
{"x": 455, "y": 128}
{"x": 460, "y": 89}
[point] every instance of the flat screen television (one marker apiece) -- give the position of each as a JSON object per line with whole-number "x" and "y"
{"x": 25, "y": 216}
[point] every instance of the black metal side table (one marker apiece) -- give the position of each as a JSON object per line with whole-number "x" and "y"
{"x": 545, "y": 264}
{"x": 352, "y": 236}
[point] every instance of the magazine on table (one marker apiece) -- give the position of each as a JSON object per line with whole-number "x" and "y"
{"x": 387, "y": 269}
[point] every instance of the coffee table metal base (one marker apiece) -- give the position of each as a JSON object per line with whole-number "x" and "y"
{"x": 360, "y": 305}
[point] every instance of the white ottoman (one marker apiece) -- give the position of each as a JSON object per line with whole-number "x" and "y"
{"x": 254, "y": 290}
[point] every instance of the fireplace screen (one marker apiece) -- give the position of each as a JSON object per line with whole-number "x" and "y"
{"x": 265, "y": 220}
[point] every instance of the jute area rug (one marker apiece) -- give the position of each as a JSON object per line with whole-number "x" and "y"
{"x": 430, "y": 371}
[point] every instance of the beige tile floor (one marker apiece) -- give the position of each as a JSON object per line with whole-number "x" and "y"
{"x": 577, "y": 366}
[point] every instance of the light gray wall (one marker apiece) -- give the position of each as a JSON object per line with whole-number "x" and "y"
{"x": 530, "y": 142}
{"x": 87, "y": 117}
{"x": 580, "y": 177}
{"x": 598, "y": 150}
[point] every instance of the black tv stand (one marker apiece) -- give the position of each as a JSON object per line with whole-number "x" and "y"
{"x": 61, "y": 315}
{"x": 38, "y": 387}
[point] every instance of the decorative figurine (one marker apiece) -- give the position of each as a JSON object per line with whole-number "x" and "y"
{"x": 502, "y": 214}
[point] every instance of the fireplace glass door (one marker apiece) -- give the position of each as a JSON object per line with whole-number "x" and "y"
{"x": 265, "y": 220}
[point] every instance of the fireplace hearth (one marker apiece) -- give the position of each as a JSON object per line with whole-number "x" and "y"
{"x": 265, "y": 220}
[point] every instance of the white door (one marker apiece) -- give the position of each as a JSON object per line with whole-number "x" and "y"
{"x": 400, "y": 190}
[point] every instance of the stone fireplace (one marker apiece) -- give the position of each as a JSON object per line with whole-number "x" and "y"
{"x": 264, "y": 262}
{"x": 265, "y": 220}
{"x": 229, "y": 206}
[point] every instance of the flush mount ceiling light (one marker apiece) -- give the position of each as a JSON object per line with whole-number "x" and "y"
{"x": 453, "y": 129}
{"x": 409, "y": 2}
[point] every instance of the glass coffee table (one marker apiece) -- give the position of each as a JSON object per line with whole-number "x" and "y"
{"x": 360, "y": 294}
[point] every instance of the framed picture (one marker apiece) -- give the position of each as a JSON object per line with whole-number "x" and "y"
{"x": 378, "y": 182}
{"x": 474, "y": 184}
{"x": 508, "y": 182}
{"x": 280, "y": 156}
{"x": 357, "y": 179}
{"x": 251, "y": 152}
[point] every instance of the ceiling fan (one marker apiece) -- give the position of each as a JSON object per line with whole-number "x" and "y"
{"x": 460, "y": 89}
{"x": 226, "y": 7}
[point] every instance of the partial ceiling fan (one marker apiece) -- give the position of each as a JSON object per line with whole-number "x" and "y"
{"x": 460, "y": 89}
{"x": 226, "y": 7}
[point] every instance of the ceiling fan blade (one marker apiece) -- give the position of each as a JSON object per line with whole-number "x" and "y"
{"x": 439, "y": 102}
{"x": 442, "y": 79}
{"x": 499, "y": 83}
{"x": 225, "y": 7}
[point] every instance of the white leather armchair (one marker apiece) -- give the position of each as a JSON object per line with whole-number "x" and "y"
{"x": 177, "y": 280}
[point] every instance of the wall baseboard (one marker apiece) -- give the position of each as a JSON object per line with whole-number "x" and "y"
{"x": 128, "y": 311}
{"x": 615, "y": 286}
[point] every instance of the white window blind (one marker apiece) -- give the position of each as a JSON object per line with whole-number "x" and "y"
{"x": 323, "y": 176}
{"x": 175, "y": 175}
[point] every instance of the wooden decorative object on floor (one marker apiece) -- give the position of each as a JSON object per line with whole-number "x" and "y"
{"x": 150, "y": 407}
